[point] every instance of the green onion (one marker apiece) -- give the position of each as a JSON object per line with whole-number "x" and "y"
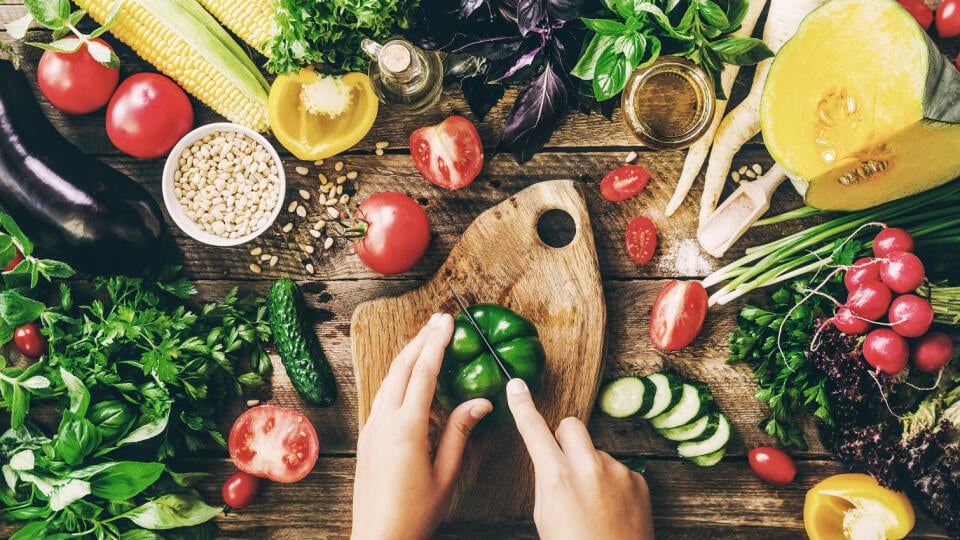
{"x": 945, "y": 300}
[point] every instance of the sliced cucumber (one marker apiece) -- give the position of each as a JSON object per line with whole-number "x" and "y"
{"x": 625, "y": 396}
{"x": 709, "y": 445}
{"x": 709, "y": 460}
{"x": 703, "y": 427}
{"x": 694, "y": 402}
{"x": 668, "y": 390}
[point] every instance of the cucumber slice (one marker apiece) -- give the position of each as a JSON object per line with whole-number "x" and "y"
{"x": 624, "y": 396}
{"x": 709, "y": 445}
{"x": 704, "y": 426}
{"x": 693, "y": 404}
{"x": 709, "y": 460}
{"x": 668, "y": 390}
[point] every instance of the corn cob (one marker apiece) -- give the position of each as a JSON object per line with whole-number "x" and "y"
{"x": 187, "y": 44}
{"x": 250, "y": 20}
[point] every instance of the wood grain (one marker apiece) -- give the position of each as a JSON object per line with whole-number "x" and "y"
{"x": 501, "y": 259}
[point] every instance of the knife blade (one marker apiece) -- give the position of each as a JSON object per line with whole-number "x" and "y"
{"x": 473, "y": 322}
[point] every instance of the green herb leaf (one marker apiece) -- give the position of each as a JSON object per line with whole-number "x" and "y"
{"x": 172, "y": 511}
{"x": 610, "y": 74}
{"x": 605, "y": 27}
{"x": 31, "y": 531}
{"x": 9, "y": 225}
{"x": 584, "y": 69}
{"x": 103, "y": 54}
{"x": 712, "y": 14}
{"x": 18, "y": 28}
{"x": 76, "y": 391}
{"x": 65, "y": 493}
{"x": 54, "y": 269}
{"x": 741, "y": 51}
{"x": 188, "y": 479}
{"x": 76, "y": 439}
{"x": 65, "y": 45}
{"x": 52, "y": 14}
{"x": 125, "y": 479}
{"x": 18, "y": 310}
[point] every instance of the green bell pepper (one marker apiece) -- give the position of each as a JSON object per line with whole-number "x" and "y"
{"x": 469, "y": 370}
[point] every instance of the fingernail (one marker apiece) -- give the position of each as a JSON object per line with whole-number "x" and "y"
{"x": 516, "y": 386}
{"x": 434, "y": 319}
{"x": 481, "y": 409}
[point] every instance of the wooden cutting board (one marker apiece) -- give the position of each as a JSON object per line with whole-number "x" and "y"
{"x": 501, "y": 259}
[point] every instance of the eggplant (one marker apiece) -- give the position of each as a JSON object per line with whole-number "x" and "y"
{"x": 74, "y": 208}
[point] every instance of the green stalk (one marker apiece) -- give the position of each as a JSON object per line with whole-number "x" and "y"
{"x": 945, "y": 300}
{"x": 799, "y": 213}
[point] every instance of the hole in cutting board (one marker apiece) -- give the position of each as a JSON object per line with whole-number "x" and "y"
{"x": 556, "y": 228}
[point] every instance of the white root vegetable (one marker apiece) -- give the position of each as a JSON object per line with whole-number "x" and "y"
{"x": 743, "y": 122}
{"x": 697, "y": 153}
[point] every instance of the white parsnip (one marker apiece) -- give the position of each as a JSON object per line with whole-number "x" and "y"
{"x": 743, "y": 122}
{"x": 697, "y": 153}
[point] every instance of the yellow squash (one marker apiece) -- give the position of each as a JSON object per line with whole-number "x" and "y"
{"x": 855, "y": 507}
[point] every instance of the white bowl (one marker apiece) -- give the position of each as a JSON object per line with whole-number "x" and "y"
{"x": 176, "y": 209}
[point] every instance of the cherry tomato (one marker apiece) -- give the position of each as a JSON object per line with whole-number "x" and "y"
{"x": 678, "y": 314}
{"x": 448, "y": 154}
{"x": 147, "y": 115}
{"x": 29, "y": 341}
{"x": 948, "y": 19}
{"x": 273, "y": 442}
{"x": 641, "y": 240}
{"x": 17, "y": 257}
{"x": 624, "y": 182}
{"x": 394, "y": 232}
{"x": 74, "y": 82}
{"x": 772, "y": 465}
{"x": 920, "y": 11}
{"x": 240, "y": 490}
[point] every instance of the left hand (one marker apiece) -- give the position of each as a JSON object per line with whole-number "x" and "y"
{"x": 402, "y": 489}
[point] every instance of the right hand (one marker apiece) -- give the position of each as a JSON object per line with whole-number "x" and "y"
{"x": 580, "y": 492}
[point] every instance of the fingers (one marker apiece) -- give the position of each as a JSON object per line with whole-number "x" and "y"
{"x": 453, "y": 440}
{"x": 423, "y": 378}
{"x": 575, "y": 441}
{"x": 538, "y": 438}
{"x": 394, "y": 385}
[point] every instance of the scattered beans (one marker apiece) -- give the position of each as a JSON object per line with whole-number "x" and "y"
{"x": 265, "y": 257}
{"x": 318, "y": 162}
{"x": 352, "y": 175}
{"x": 742, "y": 170}
{"x": 333, "y": 213}
{"x": 319, "y": 225}
{"x": 302, "y": 171}
{"x": 757, "y": 168}
{"x": 301, "y": 211}
{"x": 630, "y": 157}
{"x": 323, "y": 178}
{"x": 344, "y": 199}
{"x": 308, "y": 249}
{"x": 315, "y": 233}
{"x": 256, "y": 251}
{"x": 273, "y": 260}
{"x": 309, "y": 268}
{"x": 341, "y": 179}
{"x": 751, "y": 174}
{"x": 379, "y": 152}
{"x": 381, "y": 145}
{"x": 735, "y": 176}
{"x": 255, "y": 268}
{"x": 292, "y": 207}
{"x": 304, "y": 194}
{"x": 338, "y": 166}
{"x": 253, "y": 402}
{"x": 288, "y": 227}
{"x": 328, "y": 243}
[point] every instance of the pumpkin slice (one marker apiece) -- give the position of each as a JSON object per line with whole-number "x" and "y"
{"x": 860, "y": 108}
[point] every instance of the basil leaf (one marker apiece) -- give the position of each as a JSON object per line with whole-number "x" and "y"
{"x": 712, "y": 14}
{"x": 76, "y": 391}
{"x": 633, "y": 47}
{"x": 144, "y": 432}
{"x": 19, "y": 404}
{"x": 605, "y": 27}
{"x": 9, "y": 225}
{"x": 65, "y": 45}
{"x": 112, "y": 418}
{"x": 534, "y": 115}
{"x": 30, "y": 531}
{"x": 736, "y": 11}
{"x": 467, "y": 7}
{"x": 610, "y": 75}
{"x": 75, "y": 18}
{"x": 50, "y": 13}
{"x": 587, "y": 64}
{"x": 140, "y": 534}
{"x": 529, "y": 15}
{"x": 189, "y": 479}
{"x": 125, "y": 479}
{"x": 18, "y": 310}
{"x": 172, "y": 511}
{"x": 76, "y": 439}
{"x": 741, "y": 51}
{"x": 67, "y": 492}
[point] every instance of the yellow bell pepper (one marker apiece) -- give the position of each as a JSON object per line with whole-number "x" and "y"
{"x": 317, "y": 135}
{"x": 855, "y": 507}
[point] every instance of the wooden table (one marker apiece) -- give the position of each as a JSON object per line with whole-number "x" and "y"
{"x": 725, "y": 501}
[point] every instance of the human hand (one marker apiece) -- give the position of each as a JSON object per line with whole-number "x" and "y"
{"x": 402, "y": 489}
{"x": 580, "y": 492}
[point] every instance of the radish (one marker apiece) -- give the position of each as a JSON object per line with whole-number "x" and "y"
{"x": 869, "y": 300}
{"x": 891, "y": 239}
{"x": 886, "y": 350}
{"x": 931, "y": 352}
{"x": 848, "y": 323}
{"x": 910, "y": 315}
{"x": 902, "y": 271}
{"x": 864, "y": 269}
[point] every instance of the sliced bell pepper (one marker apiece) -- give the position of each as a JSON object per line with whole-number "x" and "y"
{"x": 311, "y": 136}
{"x": 469, "y": 370}
{"x": 854, "y": 506}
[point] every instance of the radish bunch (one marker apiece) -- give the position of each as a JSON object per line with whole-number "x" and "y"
{"x": 879, "y": 288}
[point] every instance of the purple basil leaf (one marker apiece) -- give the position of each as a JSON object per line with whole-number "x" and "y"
{"x": 481, "y": 96}
{"x": 564, "y": 10}
{"x": 534, "y": 116}
{"x": 495, "y": 49}
{"x": 529, "y": 15}
{"x": 467, "y": 7}
{"x": 522, "y": 66}
{"x": 525, "y": 61}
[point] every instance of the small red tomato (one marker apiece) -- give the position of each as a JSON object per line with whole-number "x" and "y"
{"x": 678, "y": 314}
{"x": 240, "y": 490}
{"x": 74, "y": 82}
{"x": 17, "y": 257}
{"x": 641, "y": 240}
{"x": 624, "y": 182}
{"x": 920, "y": 11}
{"x": 147, "y": 115}
{"x": 772, "y": 465}
{"x": 948, "y": 19}
{"x": 448, "y": 154}
{"x": 29, "y": 341}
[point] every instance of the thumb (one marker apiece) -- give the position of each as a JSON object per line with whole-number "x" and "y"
{"x": 454, "y": 437}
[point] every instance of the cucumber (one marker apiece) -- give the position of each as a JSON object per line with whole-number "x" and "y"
{"x": 715, "y": 442}
{"x": 694, "y": 402}
{"x": 625, "y": 396}
{"x": 709, "y": 460}
{"x": 668, "y": 389}
{"x": 298, "y": 346}
{"x": 699, "y": 429}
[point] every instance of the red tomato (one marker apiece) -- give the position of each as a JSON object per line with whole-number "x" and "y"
{"x": 448, "y": 154}
{"x": 772, "y": 465}
{"x": 29, "y": 341}
{"x": 17, "y": 257}
{"x": 678, "y": 314}
{"x": 274, "y": 442}
{"x": 948, "y": 19}
{"x": 147, "y": 115}
{"x": 240, "y": 490}
{"x": 74, "y": 82}
{"x": 393, "y": 232}
{"x": 641, "y": 240}
{"x": 624, "y": 182}
{"x": 920, "y": 11}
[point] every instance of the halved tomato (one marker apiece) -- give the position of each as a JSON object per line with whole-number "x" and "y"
{"x": 624, "y": 182}
{"x": 274, "y": 442}
{"x": 641, "y": 239}
{"x": 678, "y": 314}
{"x": 448, "y": 154}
